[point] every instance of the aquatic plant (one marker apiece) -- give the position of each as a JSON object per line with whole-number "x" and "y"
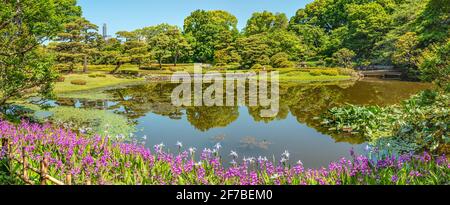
{"x": 420, "y": 123}
{"x": 91, "y": 121}
{"x": 102, "y": 160}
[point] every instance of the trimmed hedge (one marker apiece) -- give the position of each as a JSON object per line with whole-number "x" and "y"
{"x": 78, "y": 82}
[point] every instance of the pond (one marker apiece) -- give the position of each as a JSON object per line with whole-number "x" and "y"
{"x": 239, "y": 128}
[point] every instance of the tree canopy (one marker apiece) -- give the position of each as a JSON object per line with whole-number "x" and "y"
{"x": 24, "y": 27}
{"x": 408, "y": 34}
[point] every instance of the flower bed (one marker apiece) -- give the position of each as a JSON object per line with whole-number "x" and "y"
{"x": 101, "y": 160}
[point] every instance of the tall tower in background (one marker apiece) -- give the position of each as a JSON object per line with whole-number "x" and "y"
{"x": 105, "y": 31}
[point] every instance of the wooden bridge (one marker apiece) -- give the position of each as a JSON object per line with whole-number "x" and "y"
{"x": 382, "y": 73}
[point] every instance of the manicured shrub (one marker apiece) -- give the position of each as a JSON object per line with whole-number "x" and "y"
{"x": 150, "y": 68}
{"x": 78, "y": 82}
{"x": 315, "y": 72}
{"x": 267, "y": 68}
{"x": 329, "y": 72}
{"x": 347, "y": 71}
{"x": 129, "y": 72}
{"x": 97, "y": 75}
{"x": 280, "y": 60}
{"x": 220, "y": 64}
{"x": 257, "y": 67}
{"x": 286, "y": 64}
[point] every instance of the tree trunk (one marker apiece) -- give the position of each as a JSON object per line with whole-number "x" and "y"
{"x": 85, "y": 64}
{"x": 116, "y": 68}
{"x": 160, "y": 63}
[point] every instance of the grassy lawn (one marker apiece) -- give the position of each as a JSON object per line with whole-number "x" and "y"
{"x": 294, "y": 74}
{"x": 95, "y": 85}
{"x": 305, "y": 76}
{"x": 91, "y": 83}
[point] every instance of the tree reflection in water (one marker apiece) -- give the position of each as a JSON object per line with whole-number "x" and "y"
{"x": 305, "y": 102}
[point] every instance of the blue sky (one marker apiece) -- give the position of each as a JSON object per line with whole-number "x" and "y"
{"x": 133, "y": 14}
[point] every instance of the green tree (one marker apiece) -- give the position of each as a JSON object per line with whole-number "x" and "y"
{"x": 211, "y": 31}
{"x": 367, "y": 25}
{"x": 314, "y": 37}
{"x": 254, "y": 50}
{"x": 404, "y": 19}
{"x": 433, "y": 23}
{"x": 24, "y": 27}
{"x": 114, "y": 53}
{"x": 178, "y": 45}
{"x": 160, "y": 47}
{"x": 134, "y": 47}
{"x": 228, "y": 55}
{"x": 288, "y": 42}
{"x": 406, "y": 50}
{"x": 344, "y": 57}
{"x": 166, "y": 41}
{"x": 265, "y": 21}
{"x": 74, "y": 44}
{"x": 434, "y": 65}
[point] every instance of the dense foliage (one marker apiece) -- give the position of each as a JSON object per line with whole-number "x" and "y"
{"x": 420, "y": 123}
{"x": 102, "y": 161}
{"x": 408, "y": 34}
{"x": 24, "y": 27}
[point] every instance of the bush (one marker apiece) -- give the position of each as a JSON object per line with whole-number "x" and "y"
{"x": 323, "y": 71}
{"x": 329, "y": 61}
{"x": 315, "y": 72}
{"x": 280, "y": 60}
{"x": 150, "y": 68}
{"x": 347, "y": 71}
{"x": 230, "y": 66}
{"x": 267, "y": 67}
{"x": 257, "y": 67}
{"x": 220, "y": 64}
{"x": 286, "y": 64}
{"x": 330, "y": 72}
{"x": 97, "y": 75}
{"x": 434, "y": 65}
{"x": 418, "y": 124}
{"x": 320, "y": 63}
{"x": 129, "y": 72}
{"x": 78, "y": 82}
{"x": 344, "y": 57}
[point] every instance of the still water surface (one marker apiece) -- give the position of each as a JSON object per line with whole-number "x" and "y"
{"x": 239, "y": 128}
